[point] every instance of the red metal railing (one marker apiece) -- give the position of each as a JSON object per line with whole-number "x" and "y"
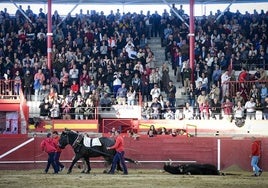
{"x": 10, "y": 88}
{"x": 235, "y": 86}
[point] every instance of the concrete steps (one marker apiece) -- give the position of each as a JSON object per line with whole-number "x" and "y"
{"x": 159, "y": 53}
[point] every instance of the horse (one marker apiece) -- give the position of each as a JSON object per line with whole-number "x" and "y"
{"x": 76, "y": 140}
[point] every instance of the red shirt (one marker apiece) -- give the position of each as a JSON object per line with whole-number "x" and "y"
{"x": 56, "y": 141}
{"x": 256, "y": 148}
{"x": 119, "y": 144}
{"x": 243, "y": 76}
{"x": 48, "y": 145}
{"x": 75, "y": 88}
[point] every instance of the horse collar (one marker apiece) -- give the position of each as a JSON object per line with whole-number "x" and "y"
{"x": 77, "y": 140}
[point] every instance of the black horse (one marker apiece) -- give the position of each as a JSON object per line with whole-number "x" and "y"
{"x": 81, "y": 151}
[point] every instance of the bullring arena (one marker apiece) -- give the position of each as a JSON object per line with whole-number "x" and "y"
{"x": 196, "y": 138}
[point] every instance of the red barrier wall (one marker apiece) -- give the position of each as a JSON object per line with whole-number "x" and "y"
{"x": 152, "y": 152}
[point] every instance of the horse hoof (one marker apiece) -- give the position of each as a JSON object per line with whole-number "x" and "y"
{"x": 69, "y": 172}
{"x": 105, "y": 172}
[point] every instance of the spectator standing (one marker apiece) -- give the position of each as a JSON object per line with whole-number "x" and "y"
{"x": 28, "y": 83}
{"x": 105, "y": 102}
{"x": 39, "y": 78}
{"x": 165, "y": 77}
{"x": 214, "y": 92}
{"x": 216, "y": 109}
{"x": 131, "y": 96}
{"x": 89, "y": 111}
{"x": 49, "y": 147}
{"x": 224, "y": 82}
{"x": 238, "y": 98}
{"x": 156, "y": 109}
{"x": 171, "y": 93}
{"x": 155, "y": 92}
{"x": 146, "y": 111}
{"x": 116, "y": 83}
{"x": 265, "y": 109}
{"x": 227, "y": 107}
{"x": 263, "y": 93}
{"x": 75, "y": 87}
{"x": 79, "y": 107}
{"x": 250, "y": 107}
{"x": 121, "y": 94}
{"x": 17, "y": 83}
{"x": 186, "y": 76}
{"x": 145, "y": 86}
{"x": 74, "y": 73}
{"x": 239, "y": 111}
{"x": 188, "y": 111}
{"x": 154, "y": 79}
{"x": 55, "y": 109}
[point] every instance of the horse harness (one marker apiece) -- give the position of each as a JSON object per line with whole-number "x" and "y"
{"x": 77, "y": 143}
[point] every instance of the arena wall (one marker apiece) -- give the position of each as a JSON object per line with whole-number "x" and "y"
{"x": 223, "y": 152}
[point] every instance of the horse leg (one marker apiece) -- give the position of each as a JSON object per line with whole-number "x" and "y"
{"x": 88, "y": 165}
{"x": 76, "y": 158}
{"x": 107, "y": 164}
{"x": 118, "y": 167}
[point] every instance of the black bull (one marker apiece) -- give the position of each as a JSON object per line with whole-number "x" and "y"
{"x": 81, "y": 151}
{"x": 192, "y": 169}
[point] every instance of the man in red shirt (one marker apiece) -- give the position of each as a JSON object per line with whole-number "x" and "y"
{"x": 49, "y": 147}
{"x": 119, "y": 156}
{"x": 56, "y": 139}
{"x": 255, "y": 156}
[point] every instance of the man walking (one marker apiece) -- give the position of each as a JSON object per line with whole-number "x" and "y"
{"x": 119, "y": 156}
{"x": 56, "y": 139}
{"x": 49, "y": 147}
{"x": 255, "y": 156}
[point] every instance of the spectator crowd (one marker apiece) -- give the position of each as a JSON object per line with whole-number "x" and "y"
{"x": 99, "y": 60}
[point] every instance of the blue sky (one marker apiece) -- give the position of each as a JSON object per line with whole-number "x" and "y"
{"x": 199, "y": 9}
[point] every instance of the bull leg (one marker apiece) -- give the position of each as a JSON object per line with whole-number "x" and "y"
{"x": 73, "y": 163}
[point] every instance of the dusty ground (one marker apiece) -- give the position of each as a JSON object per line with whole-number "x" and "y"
{"x": 136, "y": 178}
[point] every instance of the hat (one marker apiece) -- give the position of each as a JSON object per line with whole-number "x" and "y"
{"x": 48, "y": 135}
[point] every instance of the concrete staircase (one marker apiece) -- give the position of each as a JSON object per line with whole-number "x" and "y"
{"x": 159, "y": 53}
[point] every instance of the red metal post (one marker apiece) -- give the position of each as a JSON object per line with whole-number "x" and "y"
{"x": 49, "y": 34}
{"x": 192, "y": 38}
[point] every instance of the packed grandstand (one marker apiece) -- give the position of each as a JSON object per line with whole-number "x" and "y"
{"x": 103, "y": 60}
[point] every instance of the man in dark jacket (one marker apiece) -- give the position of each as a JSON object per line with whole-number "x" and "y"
{"x": 28, "y": 85}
